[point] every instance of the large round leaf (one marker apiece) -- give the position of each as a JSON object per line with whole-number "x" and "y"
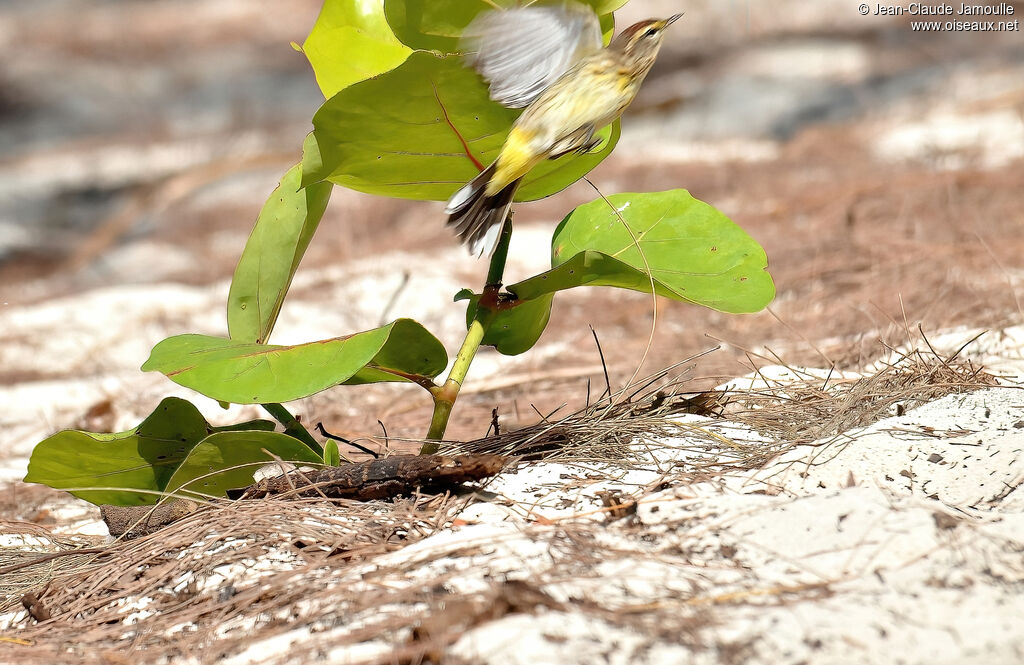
{"x": 350, "y": 42}
{"x": 437, "y": 25}
{"x": 244, "y": 373}
{"x": 143, "y": 458}
{"x": 228, "y": 460}
{"x": 423, "y": 130}
{"x": 693, "y": 252}
{"x": 276, "y": 245}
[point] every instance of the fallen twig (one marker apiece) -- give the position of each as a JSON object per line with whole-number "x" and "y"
{"x": 381, "y": 478}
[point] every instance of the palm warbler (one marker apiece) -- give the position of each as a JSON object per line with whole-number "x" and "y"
{"x": 548, "y": 59}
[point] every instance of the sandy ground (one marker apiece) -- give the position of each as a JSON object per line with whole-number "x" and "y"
{"x": 897, "y": 541}
{"x": 880, "y": 169}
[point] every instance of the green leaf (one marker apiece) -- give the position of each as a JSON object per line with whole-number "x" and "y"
{"x": 228, "y": 460}
{"x": 332, "y": 455}
{"x": 423, "y": 130}
{"x": 437, "y": 25}
{"x": 695, "y": 253}
{"x": 603, "y": 7}
{"x": 245, "y": 373}
{"x": 607, "y": 26}
{"x": 351, "y": 42}
{"x": 431, "y": 25}
{"x": 143, "y": 458}
{"x": 276, "y": 245}
{"x": 515, "y": 330}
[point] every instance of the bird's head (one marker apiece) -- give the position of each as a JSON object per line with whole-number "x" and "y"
{"x": 640, "y": 42}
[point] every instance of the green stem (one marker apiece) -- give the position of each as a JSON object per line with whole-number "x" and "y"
{"x": 496, "y": 270}
{"x": 292, "y": 426}
{"x": 445, "y": 395}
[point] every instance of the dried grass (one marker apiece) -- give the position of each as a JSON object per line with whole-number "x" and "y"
{"x": 811, "y": 409}
{"x": 789, "y": 412}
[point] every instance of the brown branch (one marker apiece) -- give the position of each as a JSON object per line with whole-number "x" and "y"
{"x": 382, "y": 478}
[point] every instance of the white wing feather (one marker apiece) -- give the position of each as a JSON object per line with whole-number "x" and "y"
{"x": 522, "y": 51}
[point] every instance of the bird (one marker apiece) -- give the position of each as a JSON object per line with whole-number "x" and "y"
{"x": 549, "y": 61}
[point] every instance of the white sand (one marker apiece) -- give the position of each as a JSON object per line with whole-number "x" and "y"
{"x": 898, "y": 542}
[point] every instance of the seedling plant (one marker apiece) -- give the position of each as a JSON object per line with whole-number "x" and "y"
{"x": 405, "y": 118}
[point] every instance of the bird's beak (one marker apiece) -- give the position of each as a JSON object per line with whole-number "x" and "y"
{"x": 672, "y": 19}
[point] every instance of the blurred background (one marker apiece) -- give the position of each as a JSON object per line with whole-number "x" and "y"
{"x": 879, "y": 166}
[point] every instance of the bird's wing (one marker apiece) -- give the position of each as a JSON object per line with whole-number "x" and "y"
{"x": 521, "y": 51}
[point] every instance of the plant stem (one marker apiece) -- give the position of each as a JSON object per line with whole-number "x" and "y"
{"x": 496, "y": 270}
{"x": 293, "y": 427}
{"x": 445, "y": 395}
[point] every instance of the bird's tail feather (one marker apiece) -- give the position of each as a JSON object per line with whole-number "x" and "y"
{"x": 477, "y": 217}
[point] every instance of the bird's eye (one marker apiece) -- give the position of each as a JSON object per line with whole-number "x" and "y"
{"x": 651, "y": 32}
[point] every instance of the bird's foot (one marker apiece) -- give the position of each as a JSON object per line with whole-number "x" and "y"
{"x": 592, "y": 146}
